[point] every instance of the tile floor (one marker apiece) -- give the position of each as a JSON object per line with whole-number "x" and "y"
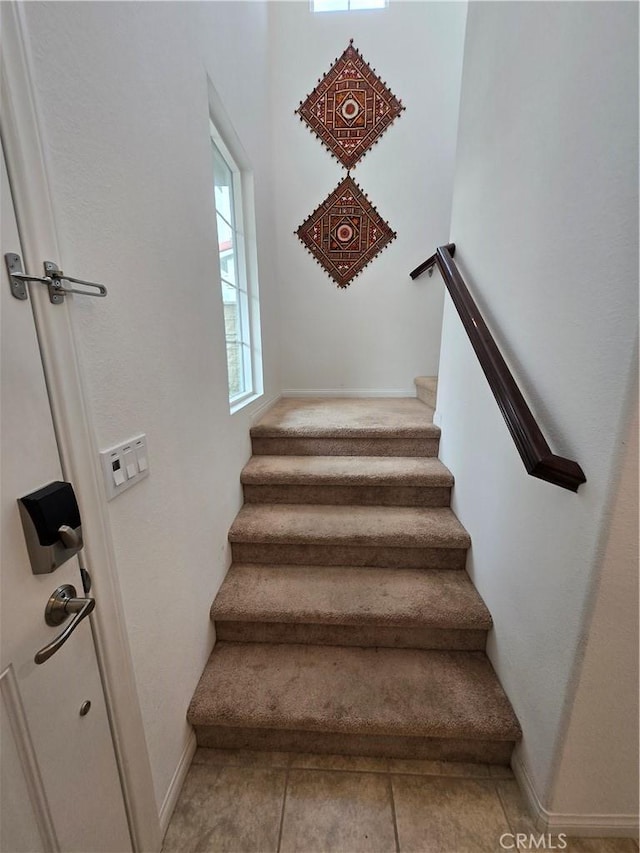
{"x": 251, "y": 802}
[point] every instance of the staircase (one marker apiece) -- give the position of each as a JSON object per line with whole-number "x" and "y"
{"x": 346, "y": 623}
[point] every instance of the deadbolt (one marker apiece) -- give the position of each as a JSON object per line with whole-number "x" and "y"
{"x": 52, "y": 526}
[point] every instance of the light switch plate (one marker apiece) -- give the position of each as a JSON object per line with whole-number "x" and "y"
{"x": 124, "y": 465}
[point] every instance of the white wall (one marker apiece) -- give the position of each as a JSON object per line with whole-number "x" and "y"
{"x": 545, "y": 217}
{"x": 384, "y": 329}
{"x": 599, "y": 775}
{"x": 125, "y": 121}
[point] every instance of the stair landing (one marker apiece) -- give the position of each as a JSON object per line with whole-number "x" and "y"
{"x": 340, "y": 415}
{"x": 332, "y": 426}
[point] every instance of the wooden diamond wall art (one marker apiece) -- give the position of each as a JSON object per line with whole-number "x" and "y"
{"x": 345, "y": 232}
{"x": 350, "y": 108}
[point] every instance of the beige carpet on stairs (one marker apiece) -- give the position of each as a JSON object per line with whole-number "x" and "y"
{"x": 347, "y": 622}
{"x": 335, "y": 417}
{"x": 343, "y": 427}
{"x": 350, "y": 606}
{"x": 345, "y": 480}
{"x": 406, "y": 527}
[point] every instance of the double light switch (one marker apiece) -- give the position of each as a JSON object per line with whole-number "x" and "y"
{"x": 124, "y": 465}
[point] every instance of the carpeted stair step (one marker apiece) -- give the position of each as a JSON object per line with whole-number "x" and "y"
{"x": 334, "y": 605}
{"x": 395, "y": 537}
{"x": 346, "y": 427}
{"x": 402, "y": 703}
{"x": 364, "y": 480}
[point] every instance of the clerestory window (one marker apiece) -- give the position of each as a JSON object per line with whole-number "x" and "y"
{"x": 346, "y": 5}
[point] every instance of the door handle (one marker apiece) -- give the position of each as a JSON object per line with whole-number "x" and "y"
{"x": 61, "y": 605}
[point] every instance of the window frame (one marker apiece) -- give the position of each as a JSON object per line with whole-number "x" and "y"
{"x": 348, "y": 7}
{"x": 245, "y": 252}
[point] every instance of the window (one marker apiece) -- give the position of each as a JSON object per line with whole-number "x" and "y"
{"x": 238, "y": 272}
{"x": 346, "y": 5}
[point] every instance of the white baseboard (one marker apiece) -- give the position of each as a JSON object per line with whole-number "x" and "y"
{"x": 581, "y": 825}
{"x": 177, "y": 781}
{"x": 349, "y": 392}
{"x": 262, "y": 409}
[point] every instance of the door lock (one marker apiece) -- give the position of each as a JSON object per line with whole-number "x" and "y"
{"x": 52, "y": 278}
{"x": 61, "y": 605}
{"x": 52, "y": 526}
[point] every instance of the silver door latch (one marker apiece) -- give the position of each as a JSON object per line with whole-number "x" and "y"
{"x": 53, "y": 279}
{"x": 61, "y": 605}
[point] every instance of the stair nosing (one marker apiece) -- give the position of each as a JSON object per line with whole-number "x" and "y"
{"x": 346, "y": 623}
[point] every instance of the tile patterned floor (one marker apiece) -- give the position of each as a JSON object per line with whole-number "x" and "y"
{"x": 262, "y": 802}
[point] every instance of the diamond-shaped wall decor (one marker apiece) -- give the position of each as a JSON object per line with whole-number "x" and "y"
{"x": 345, "y": 232}
{"x": 350, "y": 108}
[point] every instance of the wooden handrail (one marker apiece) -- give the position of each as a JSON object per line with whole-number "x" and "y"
{"x": 532, "y": 446}
{"x": 430, "y": 263}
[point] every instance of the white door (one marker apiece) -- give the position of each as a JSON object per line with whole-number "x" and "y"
{"x": 60, "y": 788}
